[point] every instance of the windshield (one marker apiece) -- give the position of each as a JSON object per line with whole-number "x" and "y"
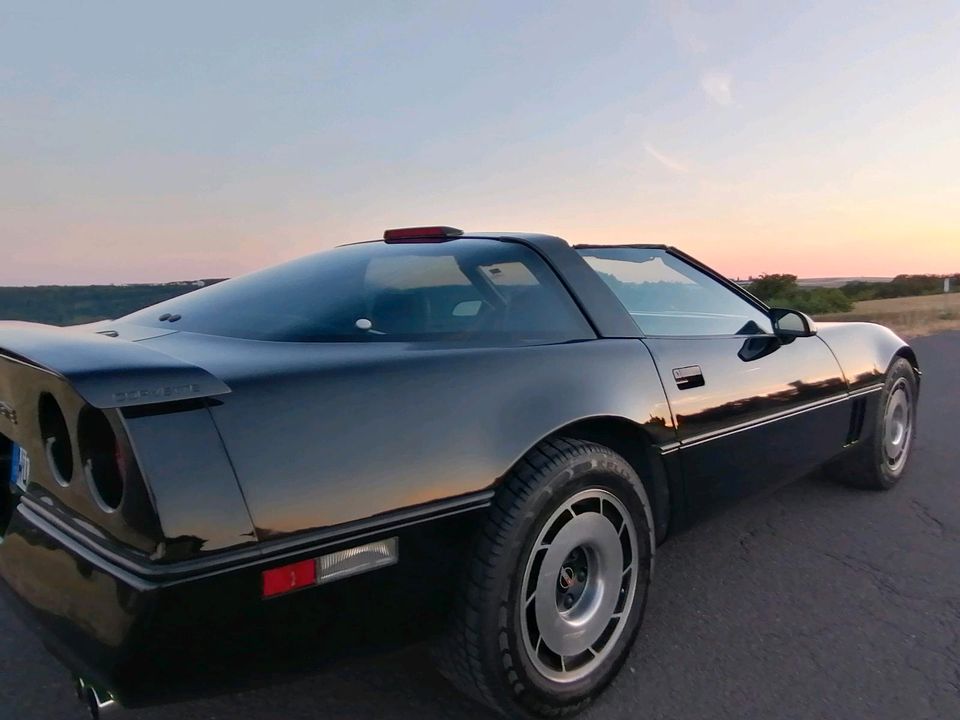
{"x": 467, "y": 289}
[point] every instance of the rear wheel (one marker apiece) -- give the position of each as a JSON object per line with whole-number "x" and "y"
{"x": 557, "y": 586}
{"x": 883, "y": 457}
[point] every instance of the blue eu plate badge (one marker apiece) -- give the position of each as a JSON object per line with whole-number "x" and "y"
{"x": 19, "y": 468}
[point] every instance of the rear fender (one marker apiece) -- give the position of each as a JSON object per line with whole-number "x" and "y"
{"x": 342, "y": 434}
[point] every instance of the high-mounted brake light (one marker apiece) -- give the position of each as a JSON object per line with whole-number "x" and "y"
{"x": 438, "y": 233}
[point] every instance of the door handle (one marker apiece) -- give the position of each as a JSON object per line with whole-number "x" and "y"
{"x": 689, "y": 377}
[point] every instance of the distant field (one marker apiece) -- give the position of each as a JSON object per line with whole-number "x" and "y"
{"x": 909, "y": 316}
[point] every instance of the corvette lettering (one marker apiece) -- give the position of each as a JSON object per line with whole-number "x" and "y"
{"x": 156, "y": 393}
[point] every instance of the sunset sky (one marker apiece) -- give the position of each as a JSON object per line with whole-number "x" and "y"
{"x": 175, "y": 140}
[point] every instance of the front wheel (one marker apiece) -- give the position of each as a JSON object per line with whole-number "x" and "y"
{"x": 557, "y": 585}
{"x": 883, "y": 457}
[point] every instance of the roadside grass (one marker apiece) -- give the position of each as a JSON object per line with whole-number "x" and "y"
{"x": 907, "y": 316}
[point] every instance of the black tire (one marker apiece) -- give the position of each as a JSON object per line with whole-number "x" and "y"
{"x": 559, "y": 489}
{"x": 872, "y": 464}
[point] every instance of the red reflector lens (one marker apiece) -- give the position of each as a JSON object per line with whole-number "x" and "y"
{"x": 437, "y": 233}
{"x": 289, "y": 577}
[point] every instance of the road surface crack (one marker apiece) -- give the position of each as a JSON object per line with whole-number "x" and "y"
{"x": 928, "y": 518}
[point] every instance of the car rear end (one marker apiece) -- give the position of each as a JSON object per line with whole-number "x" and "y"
{"x": 127, "y": 546}
{"x": 84, "y": 555}
{"x": 72, "y": 496}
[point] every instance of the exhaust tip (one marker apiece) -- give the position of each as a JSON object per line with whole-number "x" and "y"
{"x": 99, "y": 703}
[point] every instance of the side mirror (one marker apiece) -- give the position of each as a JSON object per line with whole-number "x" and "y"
{"x": 789, "y": 324}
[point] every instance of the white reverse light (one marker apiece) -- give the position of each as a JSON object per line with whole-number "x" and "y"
{"x": 356, "y": 560}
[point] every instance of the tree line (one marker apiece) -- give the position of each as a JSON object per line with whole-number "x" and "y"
{"x": 76, "y": 304}
{"x": 782, "y": 290}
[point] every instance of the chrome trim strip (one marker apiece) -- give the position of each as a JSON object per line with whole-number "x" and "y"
{"x": 866, "y": 390}
{"x": 673, "y": 447}
{"x": 44, "y": 522}
{"x": 766, "y": 420}
{"x": 125, "y": 566}
{"x": 362, "y": 529}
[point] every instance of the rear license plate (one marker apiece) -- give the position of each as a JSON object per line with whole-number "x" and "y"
{"x": 19, "y": 468}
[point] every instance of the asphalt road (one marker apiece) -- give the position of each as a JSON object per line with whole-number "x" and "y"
{"x": 816, "y": 601}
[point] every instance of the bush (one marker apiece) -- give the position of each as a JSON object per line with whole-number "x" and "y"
{"x": 783, "y": 291}
{"x": 773, "y": 286}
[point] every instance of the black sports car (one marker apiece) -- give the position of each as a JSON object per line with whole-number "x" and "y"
{"x": 482, "y": 434}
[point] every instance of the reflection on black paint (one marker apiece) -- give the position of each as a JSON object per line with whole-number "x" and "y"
{"x": 798, "y": 392}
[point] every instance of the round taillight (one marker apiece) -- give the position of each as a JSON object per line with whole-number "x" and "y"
{"x": 56, "y": 439}
{"x": 100, "y": 455}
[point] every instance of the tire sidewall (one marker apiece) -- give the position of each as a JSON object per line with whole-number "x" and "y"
{"x": 594, "y": 470}
{"x": 899, "y": 369}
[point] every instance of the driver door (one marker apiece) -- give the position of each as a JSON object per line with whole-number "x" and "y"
{"x": 752, "y": 410}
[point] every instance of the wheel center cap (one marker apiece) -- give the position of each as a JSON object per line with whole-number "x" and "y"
{"x": 567, "y": 577}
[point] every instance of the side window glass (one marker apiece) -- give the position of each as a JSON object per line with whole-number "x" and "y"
{"x": 665, "y": 296}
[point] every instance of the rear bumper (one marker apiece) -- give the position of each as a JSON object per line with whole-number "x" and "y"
{"x": 109, "y": 626}
{"x": 86, "y": 612}
{"x": 151, "y": 640}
